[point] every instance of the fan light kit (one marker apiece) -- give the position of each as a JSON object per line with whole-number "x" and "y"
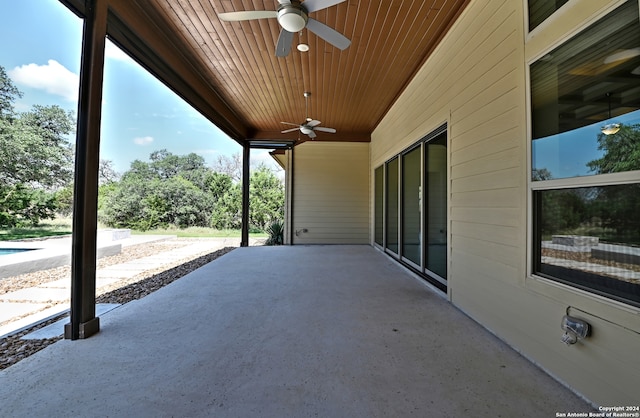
{"x": 310, "y": 125}
{"x": 293, "y": 16}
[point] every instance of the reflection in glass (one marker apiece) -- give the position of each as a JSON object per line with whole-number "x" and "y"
{"x": 392, "y": 205}
{"x": 436, "y": 202}
{"x": 379, "y": 205}
{"x": 539, "y": 10}
{"x": 588, "y": 82}
{"x": 590, "y": 237}
{"x": 411, "y": 201}
{"x": 584, "y": 151}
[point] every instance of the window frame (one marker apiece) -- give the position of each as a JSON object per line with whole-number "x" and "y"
{"x": 538, "y": 282}
{"x": 433, "y": 278}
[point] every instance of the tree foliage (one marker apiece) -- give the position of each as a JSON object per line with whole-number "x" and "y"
{"x": 8, "y": 94}
{"x": 160, "y": 193}
{"x": 619, "y": 206}
{"x": 35, "y": 148}
{"x": 36, "y": 179}
{"x": 621, "y": 151}
{"x": 229, "y": 165}
{"x": 180, "y": 191}
{"x": 612, "y": 210}
{"x": 36, "y": 158}
{"x": 266, "y": 198}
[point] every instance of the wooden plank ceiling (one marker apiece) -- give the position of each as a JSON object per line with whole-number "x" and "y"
{"x": 351, "y": 90}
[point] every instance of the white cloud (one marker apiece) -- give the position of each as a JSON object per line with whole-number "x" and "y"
{"x": 54, "y": 78}
{"x": 143, "y": 140}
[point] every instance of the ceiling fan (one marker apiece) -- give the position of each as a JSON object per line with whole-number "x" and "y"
{"x": 308, "y": 128}
{"x": 293, "y": 16}
{"x": 309, "y": 125}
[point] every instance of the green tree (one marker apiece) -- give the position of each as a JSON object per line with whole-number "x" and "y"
{"x": 21, "y": 205}
{"x": 180, "y": 191}
{"x": 621, "y": 151}
{"x": 618, "y": 206}
{"x": 227, "y": 210}
{"x": 167, "y": 191}
{"x": 36, "y": 158}
{"x": 266, "y": 198}
{"x": 8, "y": 94}
{"x": 218, "y": 184}
{"x": 539, "y": 174}
{"x": 106, "y": 173}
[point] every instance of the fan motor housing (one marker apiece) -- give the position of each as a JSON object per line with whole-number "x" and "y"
{"x": 292, "y": 17}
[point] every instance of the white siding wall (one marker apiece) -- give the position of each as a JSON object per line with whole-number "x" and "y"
{"x": 477, "y": 82}
{"x": 331, "y": 193}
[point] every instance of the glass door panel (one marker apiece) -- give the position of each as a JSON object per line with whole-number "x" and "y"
{"x": 436, "y": 205}
{"x": 392, "y": 205}
{"x": 411, "y": 206}
{"x": 379, "y": 206}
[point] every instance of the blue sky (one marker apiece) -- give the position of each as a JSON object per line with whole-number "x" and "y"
{"x": 40, "y": 50}
{"x": 567, "y": 154}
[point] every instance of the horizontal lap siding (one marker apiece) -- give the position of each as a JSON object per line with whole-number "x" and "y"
{"x": 331, "y": 193}
{"x": 476, "y": 82}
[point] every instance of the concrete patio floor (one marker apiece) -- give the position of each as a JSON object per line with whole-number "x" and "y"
{"x": 303, "y": 331}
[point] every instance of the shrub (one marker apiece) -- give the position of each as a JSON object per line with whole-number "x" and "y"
{"x": 276, "y": 233}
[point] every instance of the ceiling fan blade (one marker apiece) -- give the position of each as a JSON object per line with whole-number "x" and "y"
{"x": 289, "y": 123}
{"x": 313, "y": 123}
{"x": 315, "y": 5}
{"x": 329, "y": 34}
{"x": 312, "y": 134}
{"x": 286, "y": 131}
{"x": 321, "y": 129}
{"x": 284, "y": 43}
{"x": 248, "y": 15}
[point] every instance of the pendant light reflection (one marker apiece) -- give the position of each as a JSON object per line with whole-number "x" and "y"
{"x": 610, "y": 128}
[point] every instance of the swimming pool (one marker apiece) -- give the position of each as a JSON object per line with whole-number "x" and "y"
{"x": 7, "y": 251}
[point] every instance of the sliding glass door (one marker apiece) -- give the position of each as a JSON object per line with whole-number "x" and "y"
{"x": 392, "y": 207}
{"x": 435, "y": 156}
{"x": 379, "y": 206}
{"x": 410, "y": 205}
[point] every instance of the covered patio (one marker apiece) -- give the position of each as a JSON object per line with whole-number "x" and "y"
{"x": 429, "y": 97}
{"x": 283, "y": 332}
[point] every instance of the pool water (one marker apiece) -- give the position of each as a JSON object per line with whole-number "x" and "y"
{"x": 7, "y": 251}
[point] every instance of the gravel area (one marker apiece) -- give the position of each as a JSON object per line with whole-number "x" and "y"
{"x": 13, "y": 349}
{"x": 585, "y": 257}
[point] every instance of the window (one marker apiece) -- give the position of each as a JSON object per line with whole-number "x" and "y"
{"x": 586, "y": 122}
{"x": 589, "y": 237}
{"x": 539, "y": 10}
